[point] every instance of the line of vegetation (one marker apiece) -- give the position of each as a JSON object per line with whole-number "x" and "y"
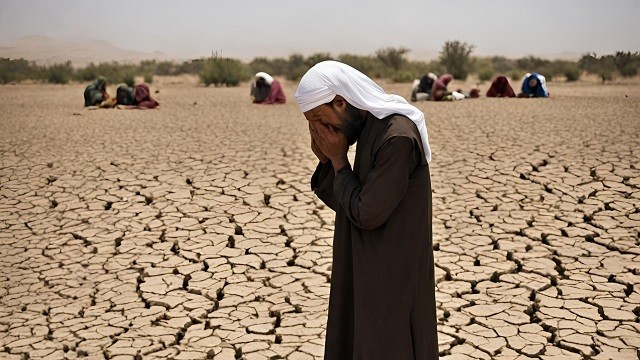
{"x": 456, "y": 57}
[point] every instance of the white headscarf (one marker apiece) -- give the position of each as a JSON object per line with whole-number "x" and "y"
{"x": 267, "y": 78}
{"x": 329, "y": 78}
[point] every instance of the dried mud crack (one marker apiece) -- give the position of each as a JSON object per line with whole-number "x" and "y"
{"x": 192, "y": 232}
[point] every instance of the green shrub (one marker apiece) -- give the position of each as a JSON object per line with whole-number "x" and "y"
{"x": 392, "y": 57}
{"x": 148, "y": 78}
{"x": 16, "y": 70}
{"x": 572, "y": 72}
{"x": 485, "y": 74}
{"x": 59, "y": 73}
{"x": 297, "y": 67}
{"x": 128, "y": 79}
{"x": 274, "y": 67}
{"x": 516, "y": 75}
{"x": 502, "y": 64}
{"x": 223, "y": 71}
{"x": 402, "y": 77}
{"x": 369, "y": 65}
{"x": 531, "y": 63}
{"x": 316, "y": 58}
{"x": 603, "y": 66}
{"x": 627, "y": 63}
{"x": 263, "y": 64}
{"x": 456, "y": 58}
{"x": 605, "y": 75}
{"x": 191, "y": 67}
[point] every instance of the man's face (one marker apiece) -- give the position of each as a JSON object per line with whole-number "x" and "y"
{"x": 533, "y": 82}
{"x": 341, "y": 115}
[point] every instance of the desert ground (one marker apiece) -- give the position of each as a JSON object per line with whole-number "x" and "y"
{"x": 190, "y": 231}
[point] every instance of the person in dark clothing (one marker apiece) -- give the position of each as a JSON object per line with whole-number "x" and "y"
{"x": 267, "y": 90}
{"x": 534, "y": 85}
{"x": 422, "y": 88}
{"x": 500, "y": 87}
{"x": 143, "y": 97}
{"x": 124, "y": 95}
{"x": 382, "y": 301}
{"x": 96, "y": 94}
{"x": 439, "y": 90}
{"x": 138, "y": 97}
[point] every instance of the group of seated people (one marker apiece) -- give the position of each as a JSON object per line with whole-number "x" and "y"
{"x": 533, "y": 85}
{"x": 267, "y": 90}
{"x": 264, "y": 90}
{"x": 434, "y": 88}
{"x": 138, "y": 97}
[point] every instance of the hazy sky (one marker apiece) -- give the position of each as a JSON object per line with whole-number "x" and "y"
{"x": 248, "y": 28}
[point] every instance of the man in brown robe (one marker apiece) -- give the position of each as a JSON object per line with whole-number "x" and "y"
{"x": 382, "y": 302}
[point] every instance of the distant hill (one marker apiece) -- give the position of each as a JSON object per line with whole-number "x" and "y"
{"x": 46, "y": 51}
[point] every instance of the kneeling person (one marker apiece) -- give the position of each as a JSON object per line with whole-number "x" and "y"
{"x": 267, "y": 90}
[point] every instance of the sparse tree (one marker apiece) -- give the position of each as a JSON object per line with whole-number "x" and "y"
{"x": 456, "y": 58}
{"x": 392, "y": 57}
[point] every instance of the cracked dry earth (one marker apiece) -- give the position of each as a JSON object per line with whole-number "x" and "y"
{"x": 190, "y": 232}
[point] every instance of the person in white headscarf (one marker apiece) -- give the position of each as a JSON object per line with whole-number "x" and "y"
{"x": 266, "y": 90}
{"x": 382, "y": 301}
{"x": 422, "y": 87}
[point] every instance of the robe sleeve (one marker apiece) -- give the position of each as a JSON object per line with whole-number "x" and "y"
{"x": 369, "y": 205}
{"x": 322, "y": 184}
{"x": 276, "y": 94}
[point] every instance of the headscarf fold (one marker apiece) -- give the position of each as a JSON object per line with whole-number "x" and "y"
{"x": 267, "y": 78}
{"x": 329, "y": 78}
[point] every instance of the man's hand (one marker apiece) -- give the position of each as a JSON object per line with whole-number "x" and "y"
{"x": 332, "y": 143}
{"x": 314, "y": 147}
{"x": 316, "y": 150}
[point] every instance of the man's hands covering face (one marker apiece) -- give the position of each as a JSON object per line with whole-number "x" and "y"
{"x": 330, "y": 143}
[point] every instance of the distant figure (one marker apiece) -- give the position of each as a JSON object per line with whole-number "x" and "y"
{"x": 534, "y": 85}
{"x": 138, "y": 97}
{"x": 500, "y": 87}
{"x": 474, "y": 93}
{"x": 439, "y": 88}
{"x": 422, "y": 88}
{"x": 96, "y": 94}
{"x": 143, "y": 97}
{"x": 124, "y": 96}
{"x": 267, "y": 90}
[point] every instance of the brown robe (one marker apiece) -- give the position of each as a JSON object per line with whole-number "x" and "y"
{"x": 382, "y": 302}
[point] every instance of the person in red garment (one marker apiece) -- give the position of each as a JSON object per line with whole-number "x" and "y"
{"x": 382, "y": 301}
{"x": 138, "y": 97}
{"x": 439, "y": 90}
{"x": 267, "y": 90}
{"x": 143, "y": 97}
{"x": 500, "y": 88}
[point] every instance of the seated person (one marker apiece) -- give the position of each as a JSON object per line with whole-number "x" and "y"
{"x": 124, "y": 95}
{"x": 534, "y": 85}
{"x": 439, "y": 90}
{"x": 96, "y": 94}
{"x": 135, "y": 98}
{"x": 267, "y": 90}
{"x": 500, "y": 87}
{"x": 143, "y": 97}
{"x": 422, "y": 88}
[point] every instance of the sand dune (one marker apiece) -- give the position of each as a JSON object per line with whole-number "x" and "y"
{"x": 45, "y": 51}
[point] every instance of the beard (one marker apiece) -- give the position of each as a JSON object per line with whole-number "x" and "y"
{"x": 352, "y": 122}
